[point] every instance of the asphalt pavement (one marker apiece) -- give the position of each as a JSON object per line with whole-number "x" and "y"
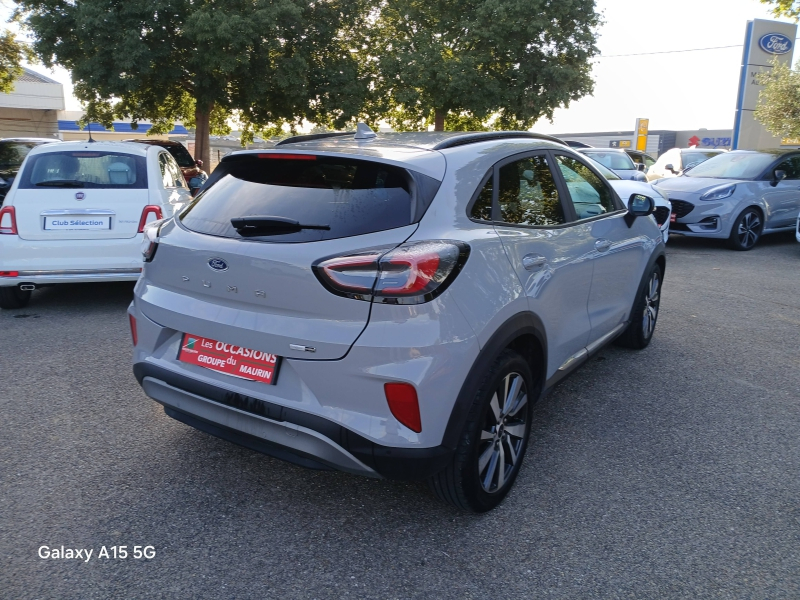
{"x": 673, "y": 472}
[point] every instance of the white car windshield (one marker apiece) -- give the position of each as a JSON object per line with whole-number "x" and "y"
{"x": 619, "y": 161}
{"x": 733, "y": 165}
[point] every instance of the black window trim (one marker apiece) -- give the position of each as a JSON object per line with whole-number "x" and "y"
{"x": 476, "y": 194}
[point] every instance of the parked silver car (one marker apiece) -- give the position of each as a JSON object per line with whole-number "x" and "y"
{"x": 738, "y": 196}
{"x": 392, "y": 305}
{"x": 618, "y": 161}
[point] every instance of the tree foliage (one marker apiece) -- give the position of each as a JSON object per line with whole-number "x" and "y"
{"x": 784, "y": 8}
{"x": 778, "y": 106}
{"x": 267, "y": 63}
{"x": 12, "y": 53}
{"x": 460, "y": 64}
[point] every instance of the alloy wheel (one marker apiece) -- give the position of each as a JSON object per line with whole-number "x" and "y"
{"x": 503, "y": 433}
{"x": 749, "y": 229}
{"x": 651, "y": 301}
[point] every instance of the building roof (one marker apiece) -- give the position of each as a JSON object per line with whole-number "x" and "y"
{"x": 34, "y": 77}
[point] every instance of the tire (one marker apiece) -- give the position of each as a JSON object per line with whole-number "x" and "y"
{"x": 645, "y": 313}
{"x": 496, "y": 433}
{"x": 746, "y": 230}
{"x": 13, "y": 297}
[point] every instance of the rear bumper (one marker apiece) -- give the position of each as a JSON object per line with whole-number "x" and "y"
{"x": 285, "y": 433}
{"x": 70, "y": 261}
{"x": 71, "y": 276}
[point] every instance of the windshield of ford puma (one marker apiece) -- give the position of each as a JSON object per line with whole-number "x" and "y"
{"x": 732, "y": 165}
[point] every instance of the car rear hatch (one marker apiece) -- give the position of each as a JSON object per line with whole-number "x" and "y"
{"x": 256, "y": 288}
{"x": 81, "y": 195}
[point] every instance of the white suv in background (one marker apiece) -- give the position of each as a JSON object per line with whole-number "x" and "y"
{"x": 76, "y": 213}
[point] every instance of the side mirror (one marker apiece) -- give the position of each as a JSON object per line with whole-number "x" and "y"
{"x": 641, "y": 167}
{"x": 671, "y": 169}
{"x": 777, "y": 176}
{"x": 639, "y": 205}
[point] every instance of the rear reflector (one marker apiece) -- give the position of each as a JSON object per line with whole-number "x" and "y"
{"x": 8, "y": 220}
{"x": 150, "y": 213}
{"x": 403, "y": 402}
{"x": 134, "y": 335}
{"x": 9, "y": 273}
{"x": 280, "y": 156}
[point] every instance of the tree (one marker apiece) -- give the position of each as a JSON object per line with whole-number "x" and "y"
{"x": 784, "y": 8}
{"x": 778, "y": 108}
{"x": 267, "y": 63}
{"x": 458, "y": 64}
{"x": 12, "y": 53}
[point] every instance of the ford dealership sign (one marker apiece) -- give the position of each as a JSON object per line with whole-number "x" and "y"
{"x": 775, "y": 43}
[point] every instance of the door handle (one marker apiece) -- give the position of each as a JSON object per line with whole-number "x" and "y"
{"x": 533, "y": 262}
{"x": 602, "y": 245}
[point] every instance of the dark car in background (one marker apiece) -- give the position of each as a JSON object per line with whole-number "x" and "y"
{"x": 12, "y": 152}
{"x": 191, "y": 168}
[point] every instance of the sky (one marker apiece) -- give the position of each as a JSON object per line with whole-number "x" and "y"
{"x": 680, "y": 90}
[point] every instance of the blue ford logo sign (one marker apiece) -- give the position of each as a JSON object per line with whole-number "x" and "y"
{"x": 217, "y": 264}
{"x": 775, "y": 43}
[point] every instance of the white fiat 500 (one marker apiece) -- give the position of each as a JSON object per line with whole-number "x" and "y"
{"x": 77, "y": 211}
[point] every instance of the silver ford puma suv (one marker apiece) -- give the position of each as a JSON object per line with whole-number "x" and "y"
{"x": 392, "y": 305}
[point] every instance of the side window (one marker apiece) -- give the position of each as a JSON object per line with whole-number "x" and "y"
{"x": 166, "y": 172}
{"x": 589, "y": 194}
{"x": 482, "y": 209}
{"x": 791, "y": 166}
{"x": 648, "y": 162}
{"x": 177, "y": 176}
{"x": 527, "y": 193}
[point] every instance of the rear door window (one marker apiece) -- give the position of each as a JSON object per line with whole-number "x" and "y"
{"x": 85, "y": 169}
{"x": 338, "y": 197}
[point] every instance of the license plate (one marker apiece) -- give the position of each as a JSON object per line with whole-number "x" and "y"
{"x": 76, "y": 223}
{"x": 672, "y": 217}
{"x": 244, "y": 363}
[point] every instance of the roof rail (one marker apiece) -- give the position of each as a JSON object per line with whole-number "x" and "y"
{"x": 312, "y": 136}
{"x": 487, "y": 136}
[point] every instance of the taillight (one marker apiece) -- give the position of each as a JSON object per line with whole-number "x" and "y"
{"x": 150, "y": 240}
{"x": 404, "y": 404}
{"x": 150, "y": 213}
{"x": 409, "y": 274}
{"x": 9, "y": 273}
{"x": 132, "y": 321}
{"x": 8, "y": 220}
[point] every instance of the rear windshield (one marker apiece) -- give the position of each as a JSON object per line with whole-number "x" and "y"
{"x": 349, "y": 197}
{"x": 181, "y": 156}
{"x": 85, "y": 169}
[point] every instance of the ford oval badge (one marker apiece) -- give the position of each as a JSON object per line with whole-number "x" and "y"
{"x": 775, "y": 43}
{"x": 217, "y": 264}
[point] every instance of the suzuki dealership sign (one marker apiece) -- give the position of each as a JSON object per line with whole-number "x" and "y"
{"x": 764, "y": 41}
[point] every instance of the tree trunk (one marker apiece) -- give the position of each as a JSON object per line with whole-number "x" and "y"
{"x": 202, "y": 142}
{"x": 438, "y": 119}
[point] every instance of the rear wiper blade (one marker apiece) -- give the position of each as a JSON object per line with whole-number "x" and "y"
{"x": 62, "y": 183}
{"x": 271, "y": 226}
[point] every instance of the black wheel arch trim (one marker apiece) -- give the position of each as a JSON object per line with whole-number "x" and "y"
{"x": 521, "y": 324}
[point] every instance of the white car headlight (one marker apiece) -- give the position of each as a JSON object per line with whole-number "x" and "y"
{"x": 720, "y": 192}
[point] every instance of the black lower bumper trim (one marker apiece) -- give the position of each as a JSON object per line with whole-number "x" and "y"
{"x": 243, "y": 439}
{"x": 392, "y": 463}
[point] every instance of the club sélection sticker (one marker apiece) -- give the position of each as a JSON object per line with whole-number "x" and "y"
{"x": 105, "y": 552}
